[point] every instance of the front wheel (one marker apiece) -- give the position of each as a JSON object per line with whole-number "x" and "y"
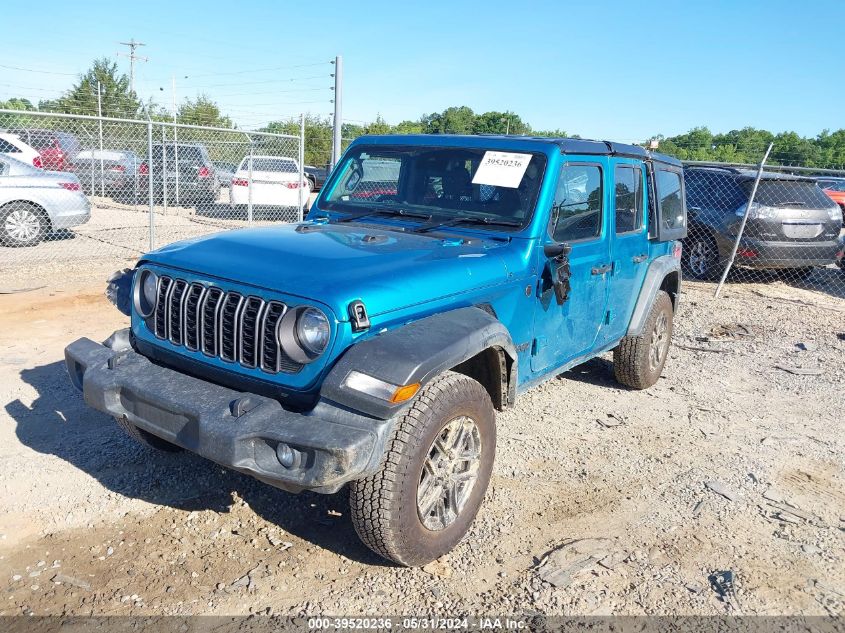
{"x": 434, "y": 476}
{"x": 22, "y": 224}
{"x": 638, "y": 360}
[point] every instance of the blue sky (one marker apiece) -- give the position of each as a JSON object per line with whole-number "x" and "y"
{"x": 616, "y": 70}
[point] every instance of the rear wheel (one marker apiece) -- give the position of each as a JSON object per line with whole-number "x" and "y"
{"x": 22, "y": 224}
{"x": 435, "y": 474}
{"x": 147, "y": 439}
{"x": 638, "y": 360}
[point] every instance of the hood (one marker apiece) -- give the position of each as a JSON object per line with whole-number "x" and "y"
{"x": 337, "y": 263}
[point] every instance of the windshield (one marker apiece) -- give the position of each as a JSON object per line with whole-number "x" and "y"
{"x": 439, "y": 183}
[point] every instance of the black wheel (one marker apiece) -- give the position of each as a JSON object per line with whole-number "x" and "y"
{"x": 638, "y": 360}
{"x": 147, "y": 439}
{"x": 435, "y": 474}
{"x": 22, "y": 224}
{"x": 701, "y": 256}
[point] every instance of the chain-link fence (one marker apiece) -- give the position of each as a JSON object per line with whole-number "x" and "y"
{"x": 80, "y": 192}
{"x": 766, "y": 224}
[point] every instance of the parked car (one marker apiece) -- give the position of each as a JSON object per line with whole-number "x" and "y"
{"x": 12, "y": 145}
{"x": 225, "y": 172}
{"x": 185, "y": 172}
{"x": 56, "y": 148}
{"x": 792, "y": 226}
{"x": 34, "y": 203}
{"x": 316, "y": 176}
{"x": 116, "y": 173}
{"x": 275, "y": 182}
{"x": 835, "y": 189}
{"x": 372, "y": 344}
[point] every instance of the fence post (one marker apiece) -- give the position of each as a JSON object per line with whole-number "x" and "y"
{"x": 150, "y": 183}
{"x": 301, "y": 214}
{"x": 100, "y": 122}
{"x": 744, "y": 220}
{"x": 249, "y": 188}
{"x": 164, "y": 167}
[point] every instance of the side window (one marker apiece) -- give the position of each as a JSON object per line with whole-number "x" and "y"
{"x": 7, "y": 148}
{"x": 629, "y": 198}
{"x": 671, "y": 213}
{"x": 577, "y": 209}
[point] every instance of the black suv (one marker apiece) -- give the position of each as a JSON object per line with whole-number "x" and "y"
{"x": 185, "y": 172}
{"x": 792, "y": 224}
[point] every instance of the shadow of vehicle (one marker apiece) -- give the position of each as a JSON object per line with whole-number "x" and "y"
{"x": 241, "y": 213}
{"x": 59, "y": 423}
{"x": 596, "y": 371}
{"x": 60, "y": 235}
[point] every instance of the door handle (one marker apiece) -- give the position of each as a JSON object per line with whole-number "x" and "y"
{"x": 639, "y": 259}
{"x": 600, "y": 270}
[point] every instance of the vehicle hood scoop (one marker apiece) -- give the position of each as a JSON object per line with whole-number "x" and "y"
{"x": 337, "y": 263}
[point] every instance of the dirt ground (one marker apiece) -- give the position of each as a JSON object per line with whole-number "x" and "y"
{"x": 728, "y": 464}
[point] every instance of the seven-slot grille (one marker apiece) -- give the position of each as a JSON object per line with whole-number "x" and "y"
{"x": 228, "y": 325}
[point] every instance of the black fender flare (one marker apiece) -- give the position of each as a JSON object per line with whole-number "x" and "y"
{"x": 416, "y": 353}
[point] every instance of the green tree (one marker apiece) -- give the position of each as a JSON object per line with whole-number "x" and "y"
{"x": 117, "y": 100}
{"x": 454, "y": 120}
{"x": 499, "y": 123}
{"x": 17, "y": 103}
{"x": 379, "y": 126}
{"x": 202, "y": 111}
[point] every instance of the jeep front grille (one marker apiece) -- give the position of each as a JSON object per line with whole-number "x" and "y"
{"x": 230, "y": 326}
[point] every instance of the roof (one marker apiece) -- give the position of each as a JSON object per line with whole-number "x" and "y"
{"x": 565, "y": 145}
{"x": 749, "y": 174}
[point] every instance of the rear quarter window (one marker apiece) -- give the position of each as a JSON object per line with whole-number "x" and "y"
{"x": 7, "y": 148}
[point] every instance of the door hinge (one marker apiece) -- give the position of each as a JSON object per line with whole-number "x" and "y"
{"x": 608, "y": 317}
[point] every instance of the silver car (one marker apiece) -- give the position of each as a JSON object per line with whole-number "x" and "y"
{"x": 34, "y": 203}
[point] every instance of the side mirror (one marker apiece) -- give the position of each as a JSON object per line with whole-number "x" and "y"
{"x": 555, "y": 250}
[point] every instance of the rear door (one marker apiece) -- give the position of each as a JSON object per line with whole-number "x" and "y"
{"x": 629, "y": 244}
{"x": 578, "y": 218}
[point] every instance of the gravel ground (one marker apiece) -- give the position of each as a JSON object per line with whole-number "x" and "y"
{"x": 603, "y": 500}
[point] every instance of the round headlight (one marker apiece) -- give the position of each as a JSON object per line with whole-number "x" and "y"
{"x": 312, "y": 331}
{"x": 146, "y": 293}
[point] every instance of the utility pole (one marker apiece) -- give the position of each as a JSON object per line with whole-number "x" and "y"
{"x": 132, "y": 44}
{"x": 338, "y": 109}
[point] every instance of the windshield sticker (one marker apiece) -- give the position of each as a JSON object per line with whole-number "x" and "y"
{"x": 501, "y": 169}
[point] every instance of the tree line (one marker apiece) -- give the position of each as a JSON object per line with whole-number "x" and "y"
{"x": 827, "y": 149}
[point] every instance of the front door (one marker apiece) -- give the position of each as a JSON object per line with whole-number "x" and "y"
{"x": 564, "y": 332}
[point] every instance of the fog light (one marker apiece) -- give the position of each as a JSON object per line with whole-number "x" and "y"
{"x": 286, "y": 455}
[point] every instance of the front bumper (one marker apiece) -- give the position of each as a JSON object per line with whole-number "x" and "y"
{"x": 235, "y": 429}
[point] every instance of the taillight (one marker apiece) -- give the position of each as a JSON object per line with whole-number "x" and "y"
{"x": 292, "y": 185}
{"x": 119, "y": 168}
{"x": 203, "y": 172}
{"x": 240, "y": 182}
{"x": 746, "y": 252}
{"x": 143, "y": 169}
{"x": 70, "y": 186}
{"x": 38, "y": 162}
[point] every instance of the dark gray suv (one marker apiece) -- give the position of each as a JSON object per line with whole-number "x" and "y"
{"x": 792, "y": 224}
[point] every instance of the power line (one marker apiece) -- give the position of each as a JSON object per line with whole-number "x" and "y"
{"x": 261, "y": 70}
{"x": 33, "y": 70}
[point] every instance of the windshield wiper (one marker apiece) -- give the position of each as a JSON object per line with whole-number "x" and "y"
{"x": 392, "y": 212}
{"x": 487, "y": 221}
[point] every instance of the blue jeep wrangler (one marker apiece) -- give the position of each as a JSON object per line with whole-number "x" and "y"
{"x": 435, "y": 278}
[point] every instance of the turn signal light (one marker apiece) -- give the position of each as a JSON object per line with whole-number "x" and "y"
{"x": 405, "y": 393}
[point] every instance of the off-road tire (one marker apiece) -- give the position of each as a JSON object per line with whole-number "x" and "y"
{"x": 631, "y": 358}
{"x": 31, "y": 211}
{"x": 384, "y": 505}
{"x": 147, "y": 439}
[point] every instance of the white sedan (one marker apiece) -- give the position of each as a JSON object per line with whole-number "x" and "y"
{"x": 274, "y": 181}
{"x": 11, "y": 145}
{"x": 34, "y": 203}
